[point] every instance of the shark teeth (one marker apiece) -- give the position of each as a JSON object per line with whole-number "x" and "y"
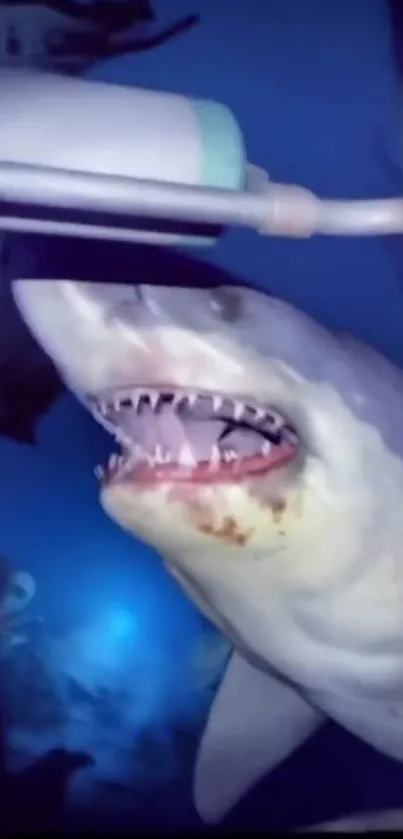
{"x": 136, "y": 398}
{"x": 109, "y": 411}
{"x": 124, "y": 464}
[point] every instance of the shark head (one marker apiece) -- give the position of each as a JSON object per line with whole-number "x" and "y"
{"x": 245, "y": 430}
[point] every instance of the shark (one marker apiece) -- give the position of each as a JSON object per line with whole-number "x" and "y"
{"x": 262, "y": 456}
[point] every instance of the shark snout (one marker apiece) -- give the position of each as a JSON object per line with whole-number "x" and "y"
{"x": 98, "y": 336}
{"x": 104, "y": 336}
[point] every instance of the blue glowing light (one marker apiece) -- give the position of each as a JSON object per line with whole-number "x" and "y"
{"x": 120, "y": 624}
{"x": 102, "y": 648}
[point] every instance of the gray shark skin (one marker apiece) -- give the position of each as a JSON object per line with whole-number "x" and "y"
{"x": 263, "y": 457}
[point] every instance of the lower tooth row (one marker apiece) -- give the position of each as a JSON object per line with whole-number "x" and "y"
{"x": 123, "y": 463}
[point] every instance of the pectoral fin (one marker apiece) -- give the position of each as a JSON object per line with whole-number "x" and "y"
{"x": 256, "y": 721}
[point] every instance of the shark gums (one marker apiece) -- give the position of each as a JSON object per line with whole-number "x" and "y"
{"x": 263, "y": 457}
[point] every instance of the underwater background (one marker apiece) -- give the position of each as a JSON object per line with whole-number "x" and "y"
{"x": 109, "y": 658}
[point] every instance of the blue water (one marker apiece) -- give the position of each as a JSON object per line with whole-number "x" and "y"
{"x": 315, "y": 90}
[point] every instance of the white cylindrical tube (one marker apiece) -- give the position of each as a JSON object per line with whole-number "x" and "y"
{"x": 91, "y": 127}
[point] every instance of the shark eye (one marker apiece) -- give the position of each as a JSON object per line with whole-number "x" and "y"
{"x": 128, "y": 299}
{"x": 227, "y": 304}
{"x": 121, "y": 302}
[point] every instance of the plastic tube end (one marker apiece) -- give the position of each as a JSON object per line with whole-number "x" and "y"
{"x": 292, "y": 211}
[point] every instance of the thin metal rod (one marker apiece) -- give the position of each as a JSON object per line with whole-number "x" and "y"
{"x": 92, "y": 231}
{"x": 20, "y": 183}
{"x": 275, "y": 209}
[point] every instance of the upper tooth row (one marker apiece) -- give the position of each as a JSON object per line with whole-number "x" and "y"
{"x": 238, "y": 408}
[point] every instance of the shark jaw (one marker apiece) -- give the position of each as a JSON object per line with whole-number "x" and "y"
{"x": 195, "y": 466}
{"x": 177, "y": 435}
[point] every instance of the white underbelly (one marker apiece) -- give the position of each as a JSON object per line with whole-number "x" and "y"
{"x": 319, "y": 643}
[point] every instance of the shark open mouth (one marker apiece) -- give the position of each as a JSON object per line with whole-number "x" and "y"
{"x": 178, "y": 435}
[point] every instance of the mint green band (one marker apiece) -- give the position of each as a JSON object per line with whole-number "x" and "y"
{"x": 223, "y": 152}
